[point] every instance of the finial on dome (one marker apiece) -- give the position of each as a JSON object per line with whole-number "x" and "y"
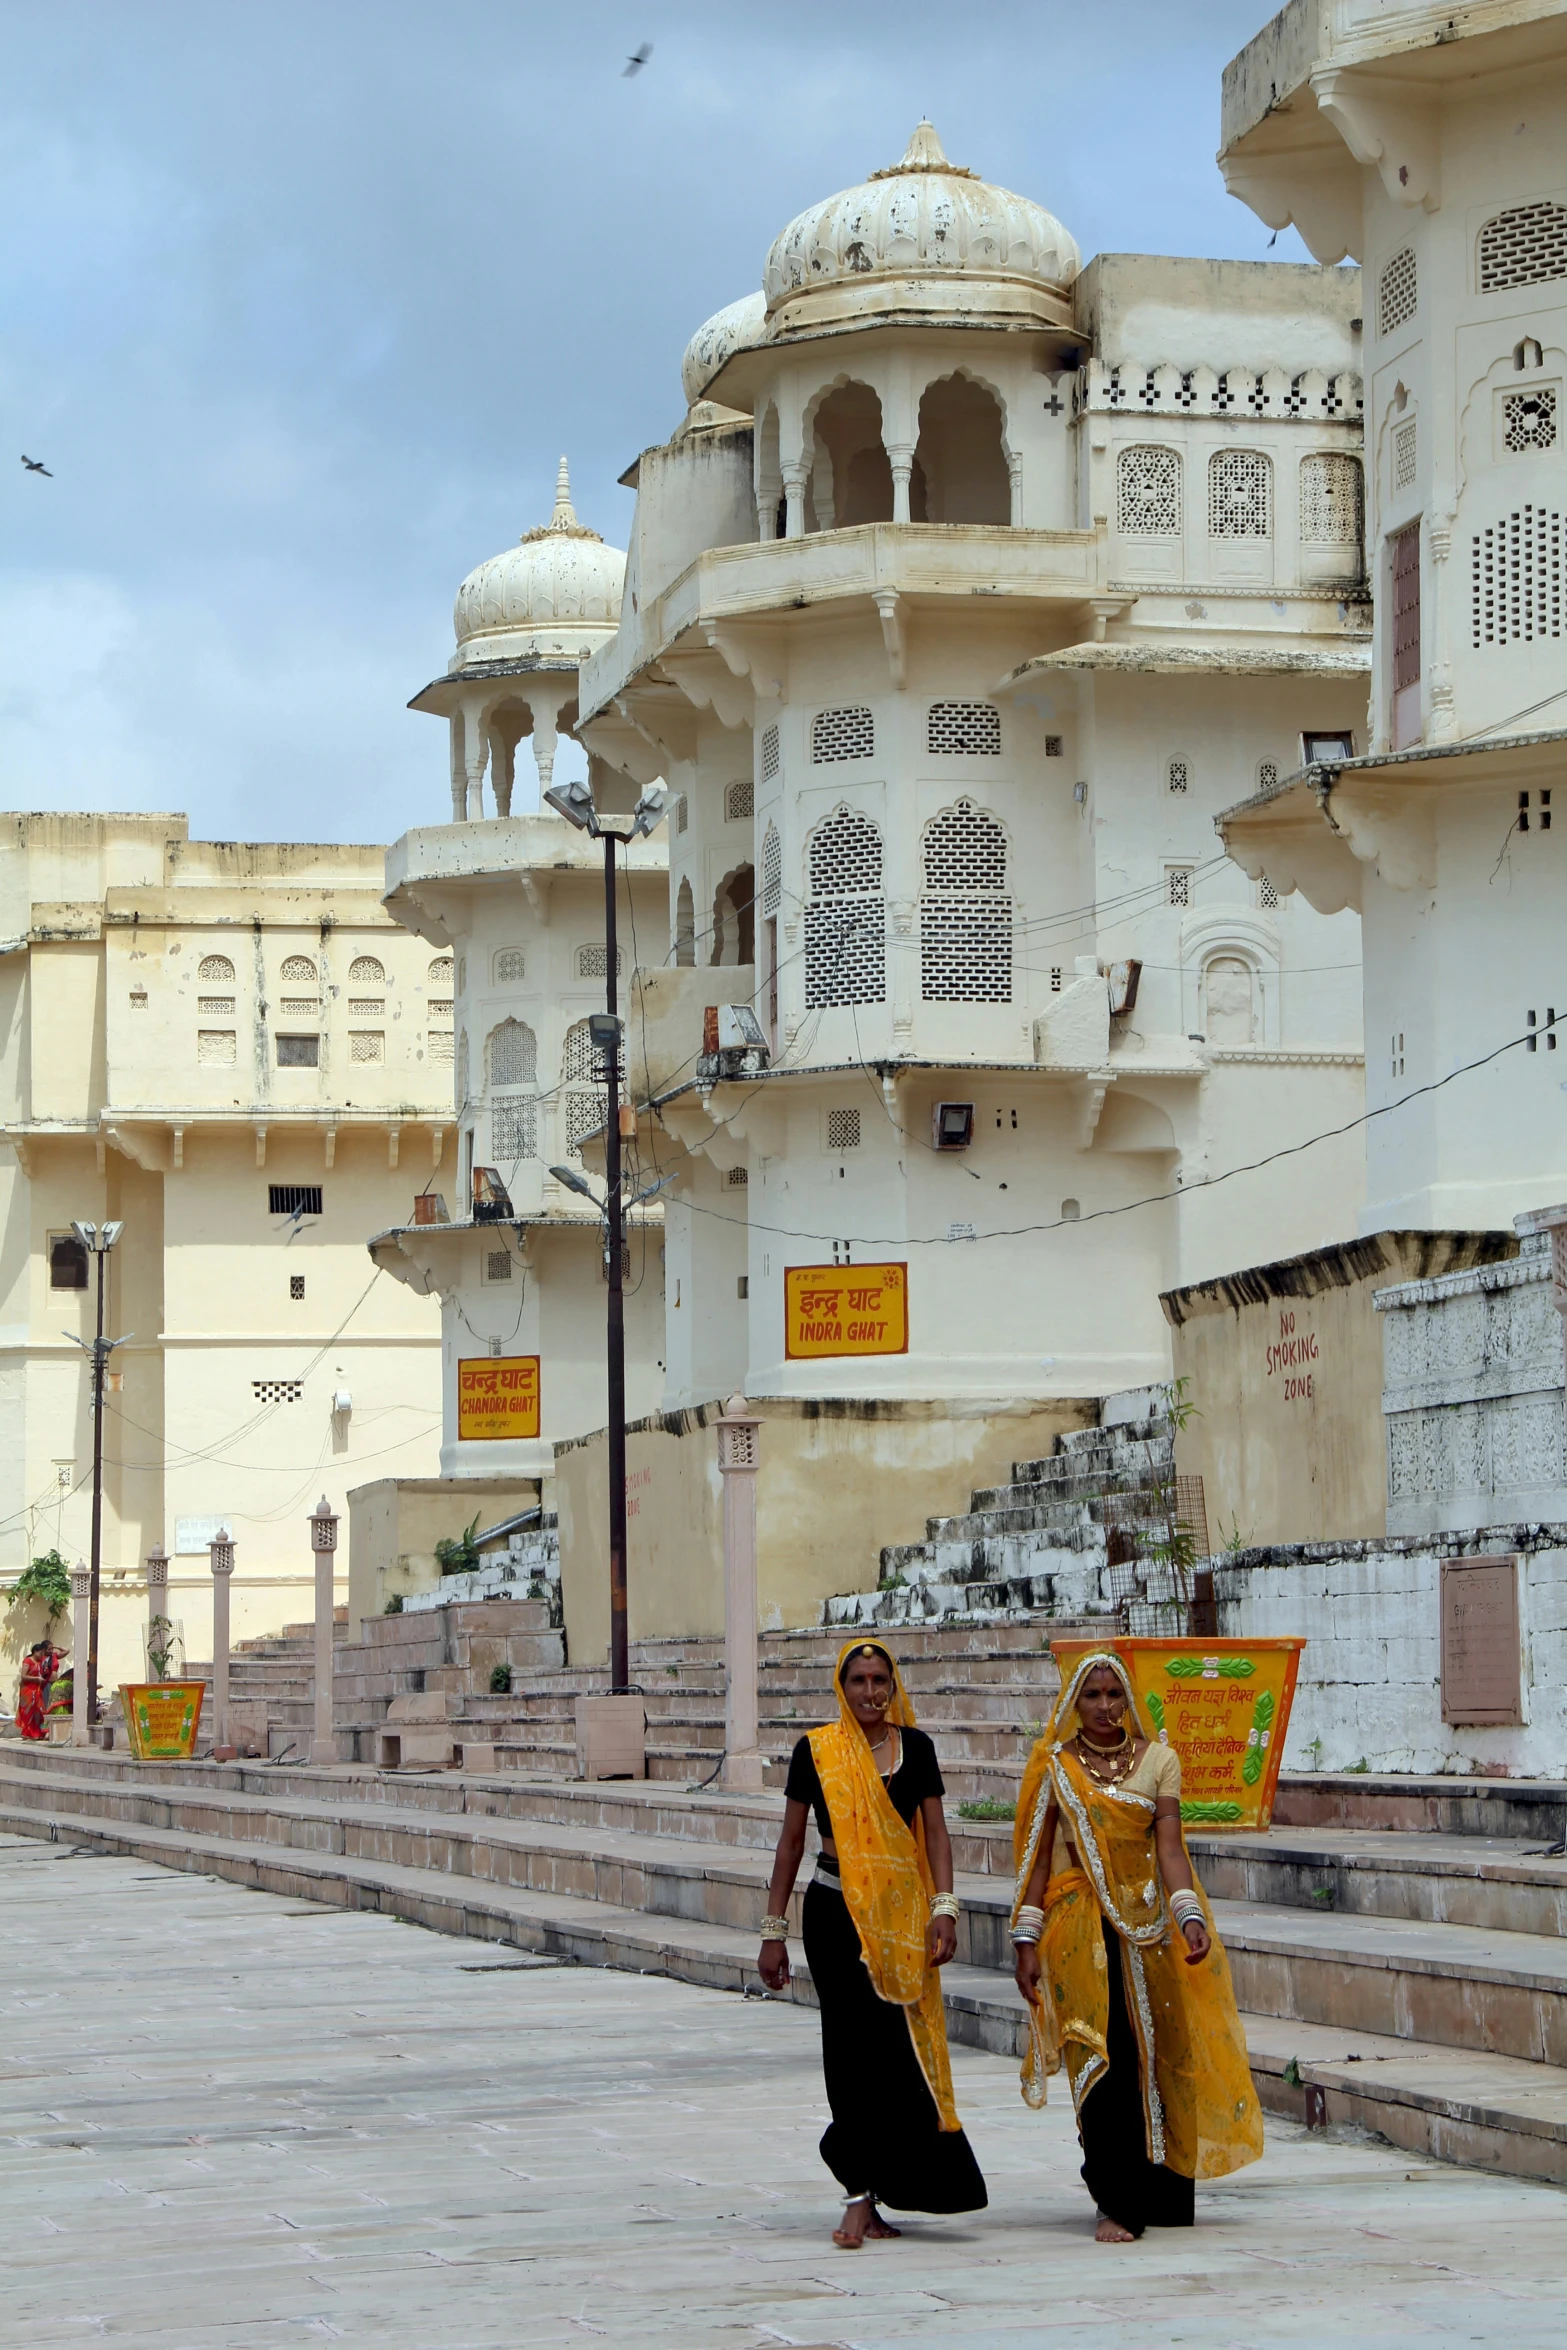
{"x": 564, "y": 516}
{"x": 924, "y": 152}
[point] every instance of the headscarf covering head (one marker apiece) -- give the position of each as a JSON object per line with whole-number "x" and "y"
{"x": 1064, "y": 1723}
{"x": 900, "y": 1708}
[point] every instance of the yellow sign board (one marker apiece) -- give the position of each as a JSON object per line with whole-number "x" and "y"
{"x": 497, "y": 1398}
{"x": 845, "y": 1310}
{"x": 162, "y": 1718}
{"x": 1224, "y": 1705}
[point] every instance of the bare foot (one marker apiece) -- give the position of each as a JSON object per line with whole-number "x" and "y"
{"x": 861, "y": 2219}
{"x": 1110, "y": 2231}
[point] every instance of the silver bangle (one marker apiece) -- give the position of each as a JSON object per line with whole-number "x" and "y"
{"x": 1025, "y": 1936}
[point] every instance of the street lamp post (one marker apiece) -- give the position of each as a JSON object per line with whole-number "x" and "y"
{"x": 575, "y": 802}
{"x": 98, "y": 1239}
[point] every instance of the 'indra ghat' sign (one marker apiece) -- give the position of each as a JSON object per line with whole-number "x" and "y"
{"x": 845, "y": 1310}
{"x": 497, "y": 1398}
{"x": 1224, "y": 1705}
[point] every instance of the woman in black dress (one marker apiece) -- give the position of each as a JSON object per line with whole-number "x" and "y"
{"x": 880, "y": 1918}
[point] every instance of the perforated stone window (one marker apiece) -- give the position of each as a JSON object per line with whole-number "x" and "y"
{"x": 845, "y": 922}
{"x": 366, "y": 971}
{"x": 440, "y": 971}
{"x": 215, "y": 1007}
{"x": 772, "y": 871}
{"x": 497, "y": 1263}
{"x": 1398, "y": 291}
{"x": 739, "y": 801}
{"x": 593, "y": 962}
{"x": 1529, "y": 421}
{"x": 1331, "y": 501}
{"x": 1267, "y": 774}
{"x": 845, "y": 855}
{"x": 511, "y": 967}
{"x": 1240, "y": 495}
{"x": 277, "y": 1390}
{"x": 843, "y": 1130}
{"x": 1406, "y": 454}
{"x": 1148, "y": 493}
{"x": 965, "y": 915}
{"x": 366, "y": 1007}
{"x": 1526, "y": 246}
{"x": 514, "y": 1128}
{"x": 300, "y": 1007}
{"x": 1176, "y": 775}
{"x": 582, "y": 1074}
{"x": 842, "y": 734}
{"x": 1178, "y": 884}
{"x": 682, "y": 813}
{"x": 738, "y": 1178}
{"x": 299, "y": 967}
{"x": 1517, "y": 571}
{"x": 513, "y": 1054}
{"x": 964, "y": 730}
{"x": 440, "y": 1007}
{"x": 216, "y": 1048}
{"x": 1268, "y": 895}
{"x": 438, "y": 1044}
{"x": 217, "y": 970}
{"x": 462, "y": 1070}
{"x": 584, "y": 1116}
{"x": 367, "y": 1044}
{"x": 770, "y": 754}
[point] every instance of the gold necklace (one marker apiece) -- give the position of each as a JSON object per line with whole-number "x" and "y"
{"x": 1119, "y": 1758}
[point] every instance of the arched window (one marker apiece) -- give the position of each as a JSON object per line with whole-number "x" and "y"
{"x": 965, "y": 912}
{"x": 366, "y": 971}
{"x": 582, "y": 1082}
{"x": 440, "y": 972}
{"x": 734, "y": 918}
{"x": 1331, "y": 501}
{"x": 685, "y": 928}
{"x": 1526, "y": 246}
{"x": 772, "y": 871}
{"x": 845, "y": 914}
{"x": 513, "y": 1058}
{"x": 739, "y": 801}
{"x": 851, "y": 478}
{"x": 297, "y": 968}
{"x": 216, "y": 970}
{"x": 960, "y": 456}
{"x": 1148, "y": 493}
{"x": 1240, "y": 495}
{"x": 1229, "y": 992}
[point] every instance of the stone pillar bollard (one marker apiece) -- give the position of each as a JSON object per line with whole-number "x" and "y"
{"x": 739, "y": 1457}
{"x": 221, "y": 1553}
{"x": 159, "y": 1631}
{"x": 81, "y": 1606}
{"x": 323, "y": 1541}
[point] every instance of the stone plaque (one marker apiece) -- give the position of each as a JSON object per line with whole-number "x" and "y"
{"x": 1482, "y": 1666}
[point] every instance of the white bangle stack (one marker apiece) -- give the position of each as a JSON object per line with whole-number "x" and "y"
{"x": 1029, "y": 1924}
{"x": 946, "y": 1905}
{"x": 1187, "y": 1909}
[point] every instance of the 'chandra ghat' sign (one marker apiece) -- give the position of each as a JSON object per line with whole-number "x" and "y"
{"x": 497, "y": 1397}
{"x": 1224, "y": 1705}
{"x": 845, "y": 1310}
{"x": 162, "y": 1718}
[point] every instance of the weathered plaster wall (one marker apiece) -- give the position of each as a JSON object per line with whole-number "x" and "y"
{"x": 395, "y": 1523}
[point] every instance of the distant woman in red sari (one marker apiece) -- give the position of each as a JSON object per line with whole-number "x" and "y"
{"x": 39, "y": 1667}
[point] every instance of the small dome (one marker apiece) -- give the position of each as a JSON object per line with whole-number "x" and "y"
{"x": 739, "y": 326}
{"x": 947, "y": 239}
{"x": 560, "y": 572}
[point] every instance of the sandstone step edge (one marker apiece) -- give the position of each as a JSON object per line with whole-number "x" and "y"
{"x": 1519, "y": 2128}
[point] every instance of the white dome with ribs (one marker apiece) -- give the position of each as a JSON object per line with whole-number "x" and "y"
{"x": 559, "y": 572}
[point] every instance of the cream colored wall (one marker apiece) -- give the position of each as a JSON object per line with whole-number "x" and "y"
{"x": 394, "y": 1524}
{"x": 1284, "y": 1365}
{"x": 837, "y": 1483}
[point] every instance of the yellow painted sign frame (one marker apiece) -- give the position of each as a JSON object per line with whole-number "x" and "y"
{"x": 1224, "y": 1705}
{"x": 845, "y": 1310}
{"x": 497, "y": 1398}
{"x": 162, "y": 1718}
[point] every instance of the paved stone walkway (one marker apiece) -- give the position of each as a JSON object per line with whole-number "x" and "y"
{"x": 230, "y": 2119}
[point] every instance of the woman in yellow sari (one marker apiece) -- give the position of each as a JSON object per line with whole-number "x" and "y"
{"x": 1126, "y": 1981}
{"x": 880, "y": 1920}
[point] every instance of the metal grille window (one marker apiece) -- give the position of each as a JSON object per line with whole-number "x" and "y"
{"x": 772, "y": 871}
{"x": 365, "y": 971}
{"x": 1406, "y": 454}
{"x": 845, "y": 923}
{"x": 969, "y": 730}
{"x": 297, "y": 967}
{"x": 1518, "y": 567}
{"x": 1406, "y": 607}
{"x": 367, "y": 1044}
{"x": 1240, "y": 499}
{"x": 215, "y": 1007}
{"x": 1529, "y": 421}
{"x": 1398, "y": 291}
{"x": 1178, "y": 884}
{"x": 298, "y": 1052}
{"x": 216, "y": 970}
{"x": 843, "y": 1130}
{"x": 593, "y": 962}
{"x": 277, "y": 1390}
{"x": 293, "y": 1199}
{"x": 842, "y": 734}
{"x": 1148, "y": 493}
{"x": 739, "y": 801}
{"x": 1177, "y": 775}
{"x": 965, "y": 914}
{"x": 1331, "y": 501}
{"x": 511, "y": 967}
{"x": 1526, "y": 246}
{"x": 770, "y": 758}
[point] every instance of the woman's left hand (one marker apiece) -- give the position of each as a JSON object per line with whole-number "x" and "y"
{"x": 1198, "y": 1944}
{"x": 943, "y": 1940}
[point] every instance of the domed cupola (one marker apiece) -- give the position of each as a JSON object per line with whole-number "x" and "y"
{"x": 923, "y": 240}
{"x": 558, "y": 582}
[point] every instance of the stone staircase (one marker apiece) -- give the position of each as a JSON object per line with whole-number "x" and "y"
{"x": 272, "y": 1683}
{"x": 1397, "y": 1945}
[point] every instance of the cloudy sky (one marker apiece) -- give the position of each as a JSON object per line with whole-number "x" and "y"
{"x": 301, "y": 302}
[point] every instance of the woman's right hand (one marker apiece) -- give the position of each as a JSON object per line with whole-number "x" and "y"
{"x": 1026, "y": 1969}
{"x": 773, "y": 1965}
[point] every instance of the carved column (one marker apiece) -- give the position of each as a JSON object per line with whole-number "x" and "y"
{"x": 323, "y": 1542}
{"x": 220, "y": 1552}
{"x": 81, "y": 1609}
{"x": 900, "y": 456}
{"x": 158, "y": 1634}
{"x": 739, "y": 1457}
{"x": 795, "y": 475}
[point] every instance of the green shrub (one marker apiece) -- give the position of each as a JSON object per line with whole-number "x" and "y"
{"x": 987, "y": 1807}
{"x": 459, "y": 1556}
{"x": 47, "y": 1578}
{"x": 394, "y": 1606}
{"x": 500, "y": 1680}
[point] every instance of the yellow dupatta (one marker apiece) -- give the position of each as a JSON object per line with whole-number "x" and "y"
{"x": 1200, "y": 2107}
{"x": 886, "y": 1879}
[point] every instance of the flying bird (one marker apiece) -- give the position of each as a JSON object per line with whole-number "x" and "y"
{"x": 636, "y": 61}
{"x": 34, "y": 465}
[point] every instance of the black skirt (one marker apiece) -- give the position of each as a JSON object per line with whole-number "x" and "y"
{"x": 1127, "y": 2187}
{"x": 885, "y": 2137}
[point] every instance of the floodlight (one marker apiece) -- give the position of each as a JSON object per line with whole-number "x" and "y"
{"x": 649, "y": 809}
{"x": 574, "y": 801}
